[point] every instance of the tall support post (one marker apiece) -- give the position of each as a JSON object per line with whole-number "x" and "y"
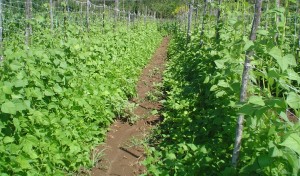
{"x": 267, "y": 16}
{"x": 277, "y": 20}
{"x": 297, "y": 18}
{"x": 28, "y": 30}
{"x": 196, "y": 16}
{"x": 1, "y": 32}
{"x": 218, "y": 21}
{"x": 51, "y": 14}
{"x": 145, "y": 16}
{"x": 128, "y": 23}
{"x": 81, "y": 14}
{"x": 278, "y": 6}
{"x": 68, "y": 10}
{"x": 190, "y": 15}
{"x": 116, "y": 13}
{"x": 203, "y": 17}
{"x": 245, "y": 82}
{"x": 87, "y": 15}
{"x": 103, "y": 16}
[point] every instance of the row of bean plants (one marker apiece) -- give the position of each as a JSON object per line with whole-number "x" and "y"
{"x": 202, "y": 86}
{"x": 59, "y": 95}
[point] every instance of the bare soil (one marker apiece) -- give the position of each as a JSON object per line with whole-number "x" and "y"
{"x": 123, "y": 150}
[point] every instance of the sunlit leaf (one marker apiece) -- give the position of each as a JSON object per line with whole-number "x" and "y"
{"x": 292, "y": 142}
{"x": 258, "y": 100}
{"x": 9, "y": 107}
{"x": 293, "y": 100}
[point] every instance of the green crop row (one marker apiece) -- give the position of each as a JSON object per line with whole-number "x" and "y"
{"x": 59, "y": 95}
{"x": 202, "y": 84}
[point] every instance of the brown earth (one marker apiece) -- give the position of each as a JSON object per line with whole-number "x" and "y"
{"x": 123, "y": 149}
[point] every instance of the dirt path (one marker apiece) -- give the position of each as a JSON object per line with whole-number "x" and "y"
{"x": 123, "y": 151}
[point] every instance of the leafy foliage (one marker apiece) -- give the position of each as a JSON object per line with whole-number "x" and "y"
{"x": 202, "y": 84}
{"x": 59, "y": 96}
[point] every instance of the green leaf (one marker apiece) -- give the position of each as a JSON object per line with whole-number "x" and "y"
{"x": 257, "y": 100}
{"x": 48, "y": 92}
{"x": 57, "y": 89}
{"x": 293, "y": 161}
{"x": 16, "y": 123}
{"x": 220, "y": 93}
{"x": 74, "y": 149}
{"x": 9, "y": 108}
{"x": 32, "y": 139}
{"x": 27, "y": 103}
{"x": 23, "y": 162}
{"x": 248, "y": 44}
{"x": 171, "y": 156}
{"x": 293, "y": 100}
{"x": 8, "y": 139}
{"x": 21, "y": 83}
{"x": 262, "y": 32}
{"x": 20, "y": 105}
{"x": 193, "y": 147}
{"x": 277, "y": 55}
{"x": 65, "y": 121}
{"x": 273, "y": 73}
{"x": 18, "y": 96}
{"x": 15, "y": 65}
{"x": 7, "y": 90}
{"x": 220, "y": 63}
{"x": 247, "y": 109}
{"x": 223, "y": 83}
{"x": 27, "y": 148}
{"x": 292, "y": 75}
{"x": 264, "y": 161}
{"x": 63, "y": 65}
{"x": 275, "y": 152}
{"x": 292, "y": 142}
{"x": 290, "y": 59}
{"x": 154, "y": 112}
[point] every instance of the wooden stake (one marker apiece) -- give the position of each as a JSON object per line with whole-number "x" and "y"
{"x": 51, "y": 14}
{"x": 28, "y": 30}
{"x": 87, "y": 15}
{"x": 1, "y": 33}
{"x": 190, "y": 15}
{"x": 244, "y": 87}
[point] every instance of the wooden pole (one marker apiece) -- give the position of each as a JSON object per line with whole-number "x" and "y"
{"x": 28, "y": 30}
{"x": 128, "y": 24}
{"x": 196, "y": 17}
{"x": 190, "y": 16}
{"x": 267, "y": 16}
{"x": 278, "y": 6}
{"x": 1, "y": 33}
{"x": 278, "y": 19}
{"x": 203, "y": 20}
{"x": 87, "y": 15}
{"x": 298, "y": 50}
{"x": 218, "y": 22}
{"x": 244, "y": 87}
{"x": 116, "y": 13}
{"x": 51, "y": 15}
